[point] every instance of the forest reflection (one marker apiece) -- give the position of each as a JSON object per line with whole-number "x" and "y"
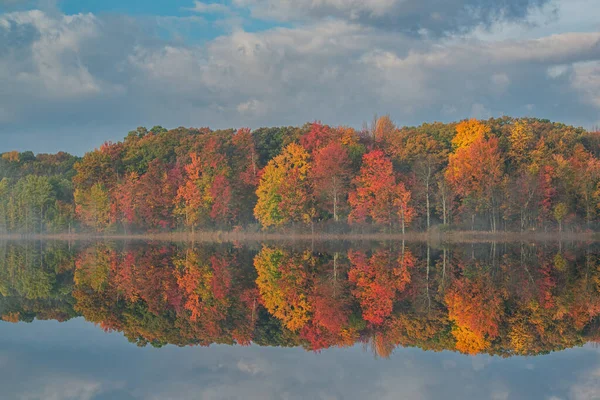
{"x": 501, "y": 299}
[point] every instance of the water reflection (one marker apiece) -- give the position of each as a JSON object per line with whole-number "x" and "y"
{"x": 499, "y": 299}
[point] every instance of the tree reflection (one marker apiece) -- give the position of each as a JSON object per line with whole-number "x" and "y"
{"x": 501, "y": 299}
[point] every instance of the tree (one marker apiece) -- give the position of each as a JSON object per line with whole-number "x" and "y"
{"x": 560, "y": 212}
{"x": 93, "y": 207}
{"x": 282, "y": 280}
{"x": 377, "y": 280}
{"x": 476, "y": 309}
{"x": 207, "y": 194}
{"x": 378, "y": 196}
{"x": 5, "y": 191}
{"x": 189, "y": 197}
{"x": 420, "y": 155}
{"x": 384, "y": 127}
{"x": 405, "y": 212}
{"x": 125, "y": 199}
{"x": 33, "y": 195}
{"x": 521, "y": 138}
{"x": 475, "y": 172}
{"x": 587, "y": 170}
{"x": 548, "y": 193}
{"x": 331, "y": 177}
{"x": 509, "y": 171}
{"x": 245, "y": 174}
{"x": 11, "y": 156}
{"x": 98, "y": 166}
{"x": 284, "y": 191}
{"x": 318, "y": 137}
{"x": 468, "y": 132}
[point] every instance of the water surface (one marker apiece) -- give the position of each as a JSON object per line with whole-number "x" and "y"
{"x": 136, "y": 320}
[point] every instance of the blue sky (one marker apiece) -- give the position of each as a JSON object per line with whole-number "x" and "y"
{"x": 74, "y": 74}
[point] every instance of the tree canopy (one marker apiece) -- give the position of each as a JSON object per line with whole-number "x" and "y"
{"x": 521, "y": 174}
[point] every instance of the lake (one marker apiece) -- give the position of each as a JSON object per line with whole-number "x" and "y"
{"x": 299, "y": 320}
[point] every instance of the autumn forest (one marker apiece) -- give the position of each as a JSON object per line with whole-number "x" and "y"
{"x": 496, "y": 175}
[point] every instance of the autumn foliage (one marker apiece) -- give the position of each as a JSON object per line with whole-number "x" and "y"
{"x": 501, "y": 174}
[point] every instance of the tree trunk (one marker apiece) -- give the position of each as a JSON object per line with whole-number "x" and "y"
{"x": 402, "y": 221}
{"x": 335, "y": 258}
{"x": 587, "y": 213}
{"x": 427, "y": 196}
{"x": 335, "y": 216}
{"x": 428, "y": 265}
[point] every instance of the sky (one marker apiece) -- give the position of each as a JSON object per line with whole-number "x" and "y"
{"x": 77, "y": 73}
{"x": 76, "y": 360}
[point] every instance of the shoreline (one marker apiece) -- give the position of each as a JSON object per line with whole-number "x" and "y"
{"x": 225, "y": 236}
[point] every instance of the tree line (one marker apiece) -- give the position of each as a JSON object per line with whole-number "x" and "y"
{"x": 500, "y": 174}
{"x": 503, "y": 300}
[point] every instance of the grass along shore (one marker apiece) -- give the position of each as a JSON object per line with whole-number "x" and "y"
{"x": 231, "y": 236}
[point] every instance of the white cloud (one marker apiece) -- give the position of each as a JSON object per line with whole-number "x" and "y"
{"x": 557, "y": 71}
{"x": 588, "y": 386}
{"x": 423, "y": 17}
{"x": 586, "y": 79}
{"x": 62, "y": 389}
{"x": 289, "y": 9}
{"x": 83, "y": 70}
{"x": 54, "y": 67}
{"x": 209, "y": 8}
{"x": 254, "y": 367}
{"x": 252, "y": 106}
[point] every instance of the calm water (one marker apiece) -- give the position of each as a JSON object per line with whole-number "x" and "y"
{"x": 303, "y": 321}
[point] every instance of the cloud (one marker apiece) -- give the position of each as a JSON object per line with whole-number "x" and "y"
{"x": 586, "y": 79}
{"x": 255, "y": 367}
{"x": 411, "y": 16}
{"x": 62, "y": 388}
{"x": 50, "y": 61}
{"x": 252, "y": 106}
{"x": 209, "y": 8}
{"x": 41, "y": 61}
{"x": 93, "y": 78}
{"x": 588, "y": 386}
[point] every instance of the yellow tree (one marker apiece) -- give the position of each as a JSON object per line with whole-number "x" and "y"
{"x": 283, "y": 283}
{"x": 521, "y": 139}
{"x": 284, "y": 193}
{"x": 476, "y": 309}
{"x": 11, "y": 156}
{"x": 468, "y": 132}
